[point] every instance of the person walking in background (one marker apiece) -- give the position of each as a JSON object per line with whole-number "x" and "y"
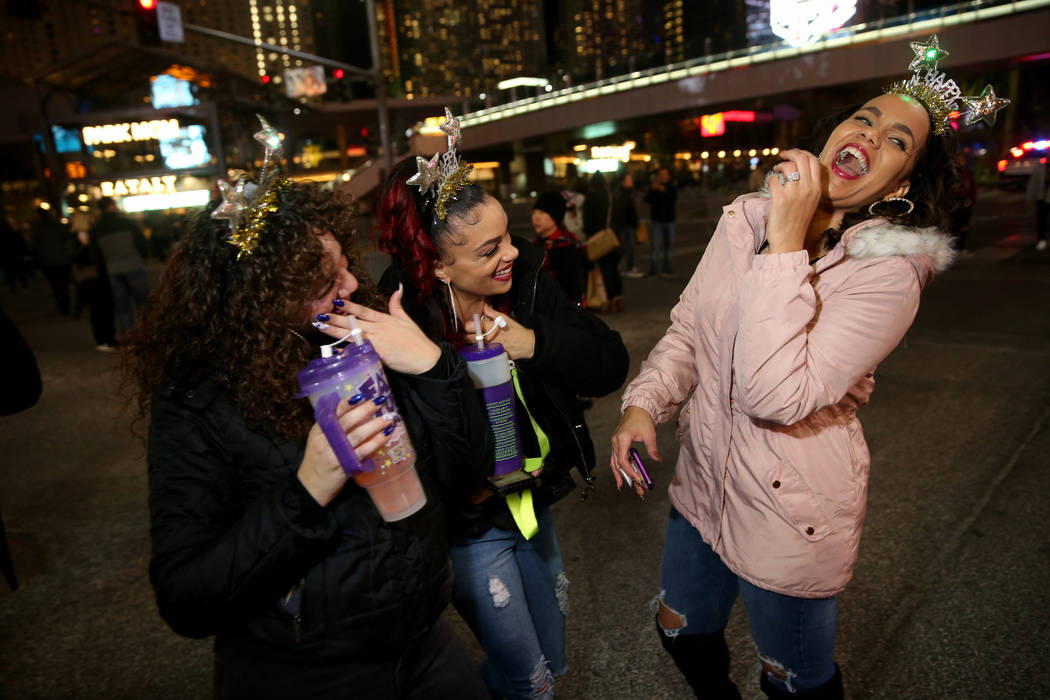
{"x": 574, "y": 199}
{"x": 625, "y": 222}
{"x": 123, "y": 249}
{"x": 1038, "y": 191}
{"x": 661, "y": 199}
{"x": 93, "y": 291}
{"x": 13, "y": 252}
{"x": 597, "y": 215}
{"x": 51, "y": 243}
{"x": 565, "y": 260}
{"x": 965, "y": 193}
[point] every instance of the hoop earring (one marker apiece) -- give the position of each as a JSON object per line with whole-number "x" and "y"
{"x": 452, "y": 303}
{"x": 907, "y": 202}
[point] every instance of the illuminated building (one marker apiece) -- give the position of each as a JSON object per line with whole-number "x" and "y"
{"x": 62, "y": 31}
{"x": 441, "y": 47}
{"x": 606, "y": 37}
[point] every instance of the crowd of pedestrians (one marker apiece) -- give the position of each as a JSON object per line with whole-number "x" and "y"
{"x": 99, "y": 267}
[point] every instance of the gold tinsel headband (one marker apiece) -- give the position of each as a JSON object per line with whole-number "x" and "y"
{"x": 245, "y": 204}
{"x": 938, "y": 94}
{"x": 441, "y": 177}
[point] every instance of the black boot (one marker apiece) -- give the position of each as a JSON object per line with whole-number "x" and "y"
{"x": 704, "y": 661}
{"x": 832, "y": 690}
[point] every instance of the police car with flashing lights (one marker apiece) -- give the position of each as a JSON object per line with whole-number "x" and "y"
{"x": 1017, "y": 167}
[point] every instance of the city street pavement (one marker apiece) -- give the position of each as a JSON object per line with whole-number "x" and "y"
{"x": 949, "y": 598}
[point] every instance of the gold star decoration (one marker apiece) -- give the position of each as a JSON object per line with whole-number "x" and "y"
{"x": 984, "y": 107}
{"x": 428, "y": 173}
{"x": 927, "y": 54}
{"x": 451, "y": 128}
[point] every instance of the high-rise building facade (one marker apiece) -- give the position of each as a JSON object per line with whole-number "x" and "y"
{"x": 61, "y": 31}
{"x": 606, "y": 37}
{"x": 456, "y": 48}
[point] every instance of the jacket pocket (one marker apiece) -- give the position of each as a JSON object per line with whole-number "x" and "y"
{"x": 797, "y": 502}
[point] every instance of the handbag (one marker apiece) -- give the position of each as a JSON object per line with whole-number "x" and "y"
{"x": 597, "y": 297}
{"x": 601, "y": 244}
{"x": 642, "y": 234}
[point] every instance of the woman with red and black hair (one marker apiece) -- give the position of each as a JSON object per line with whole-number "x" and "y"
{"x": 509, "y": 587}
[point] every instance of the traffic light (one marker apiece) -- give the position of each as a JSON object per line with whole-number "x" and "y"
{"x": 146, "y": 22}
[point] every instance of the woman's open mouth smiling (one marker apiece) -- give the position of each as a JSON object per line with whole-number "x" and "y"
{"x": 851, "y": 162}
{"x": 503, "y": 274}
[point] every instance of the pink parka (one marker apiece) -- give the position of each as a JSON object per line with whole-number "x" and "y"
{"x": 779, "y": 355}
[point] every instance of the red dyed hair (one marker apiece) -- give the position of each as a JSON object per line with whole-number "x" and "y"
{"x": 401, "y": 233}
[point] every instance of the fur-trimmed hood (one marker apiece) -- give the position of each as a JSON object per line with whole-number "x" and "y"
{"x": 929, "y": 249}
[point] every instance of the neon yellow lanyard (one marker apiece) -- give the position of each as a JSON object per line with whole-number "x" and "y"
{"x": 520, "y": 504}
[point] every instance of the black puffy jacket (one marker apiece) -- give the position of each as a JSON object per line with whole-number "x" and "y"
{"x": 242, "y": 551}
{"x": 576, "y": 355}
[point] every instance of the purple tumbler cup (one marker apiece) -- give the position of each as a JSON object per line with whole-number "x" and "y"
{"x": 388, "y": 475}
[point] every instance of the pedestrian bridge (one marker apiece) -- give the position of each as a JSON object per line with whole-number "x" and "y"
{"x": 973, "y": 33}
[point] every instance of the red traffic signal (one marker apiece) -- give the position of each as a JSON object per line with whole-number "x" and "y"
{"x": 338, "y": 73}
{"x": 146, "y": 22}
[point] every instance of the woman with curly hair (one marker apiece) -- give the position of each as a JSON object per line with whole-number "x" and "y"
{"x": 803, "y": 290}
{"x": 458, "y": 266}
{"x": 259, "y": 538}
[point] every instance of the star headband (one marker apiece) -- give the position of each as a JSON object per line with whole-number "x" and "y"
{"x": 441, "y": 177}
{"x": 245, "y": 204}
{"x": 939, "y": 94}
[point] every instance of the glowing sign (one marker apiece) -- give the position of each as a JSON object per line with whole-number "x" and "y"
{"x": 712, "y": 124}
{"x": 165, "y": 184}
{"x": 715, "y": 124}
{"x": 620, "y": 153}
{"x": 154, "y": 129}
{"x": 174, "y": 200}
{"x": 801, "y": 22}
{"x": 185, "y": 149}
{"x": 169, "y": 91}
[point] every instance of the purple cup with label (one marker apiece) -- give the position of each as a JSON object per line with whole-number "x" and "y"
{"x": 489, "y": 369}
{"x": 389, "y": 475}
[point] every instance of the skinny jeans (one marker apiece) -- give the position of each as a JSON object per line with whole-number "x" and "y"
{"x": 794, "y": 637}
{"x": 512, "y": 593}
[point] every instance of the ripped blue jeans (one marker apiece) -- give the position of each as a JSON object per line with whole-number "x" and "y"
{"x": 794, "y": 637}
{"x": 512, "y": 593}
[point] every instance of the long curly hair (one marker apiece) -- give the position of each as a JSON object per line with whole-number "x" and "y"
{"x": 411, "y": 234}
{"x": 935, "y": 174}
{"x": 214, "y": 317}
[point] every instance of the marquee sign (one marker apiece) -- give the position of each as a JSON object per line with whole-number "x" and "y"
{"x": 155, "y": 129}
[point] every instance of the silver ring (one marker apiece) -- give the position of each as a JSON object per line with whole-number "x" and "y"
{"x": 793, "y": 177}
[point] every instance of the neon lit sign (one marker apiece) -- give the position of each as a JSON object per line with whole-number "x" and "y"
{"x": 715, "y": 124}
{"x": 620, "y": 153}
{"x": 155, "y": 129}
{"x": 801, "y": 22}
{"x": 165, "y": 184}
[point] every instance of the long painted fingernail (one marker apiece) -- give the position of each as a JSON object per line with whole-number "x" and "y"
{"x": 389, "y": 429}
{"x": 338, "y": 302}
{"x": 323, "y": 317}
{"x": 356, "y": 399}
{"x": 320, "y": 326}
{"x": 379, "y": 400}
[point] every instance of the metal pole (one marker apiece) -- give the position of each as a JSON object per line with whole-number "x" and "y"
{"x": 364, "y": 73}
{"x": 379, "y": 81}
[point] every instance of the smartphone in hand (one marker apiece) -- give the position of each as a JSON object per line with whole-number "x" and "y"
{"x": 636, "y": 460}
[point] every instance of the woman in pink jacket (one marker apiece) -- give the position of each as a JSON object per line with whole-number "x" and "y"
{"x": 804, "y": 288}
